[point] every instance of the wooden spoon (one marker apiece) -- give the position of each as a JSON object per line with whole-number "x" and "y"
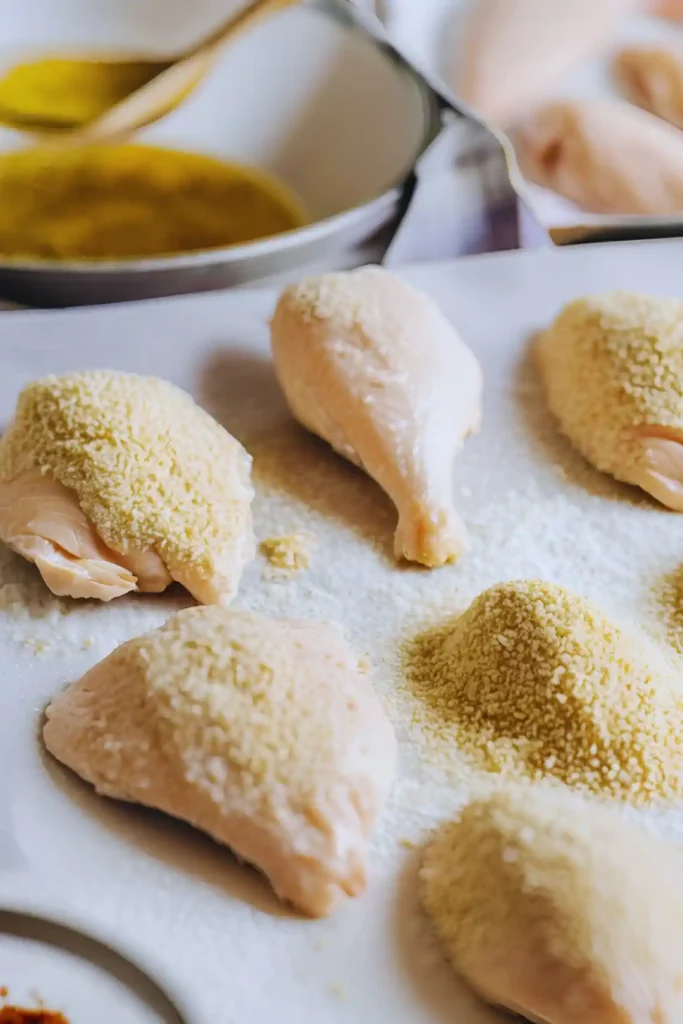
{"x": 143, "y": 90}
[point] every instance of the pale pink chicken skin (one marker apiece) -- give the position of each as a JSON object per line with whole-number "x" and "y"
{"x": 672, "y": 9}
{"x": 652, "y": 78}
{"x": 513, "y": 50}
{"x": 604, "y": 155}
{"x": 266, "y": 734}
{"x": 372, "y": 366}
{"x": 41, "y": 520}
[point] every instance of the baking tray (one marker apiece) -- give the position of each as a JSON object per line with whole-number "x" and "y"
{"x": 533, "y": 508}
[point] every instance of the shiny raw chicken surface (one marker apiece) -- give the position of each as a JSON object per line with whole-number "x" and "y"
{"x": 604, "y": 155}
{"x": 373, "y": 367}
{"x": 513, "y": 50}
{"x": 612, "y": 367}
{"x": 42, "y": 520}
{"x": 111, "y": 483}
{"x": 559, "y": 910}
{"x": 652, "y": 77}
{"x": 266, "y": 734}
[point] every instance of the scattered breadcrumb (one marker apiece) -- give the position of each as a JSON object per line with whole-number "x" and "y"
{"x": 533, "y": 680}
{"x": 336, "y": 989}
{"x": 290, "y": 553}
{"x": 408, "y": 844}
{"x": 37, "y": 646}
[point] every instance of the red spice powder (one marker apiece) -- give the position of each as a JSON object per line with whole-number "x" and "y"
{"x": 15, "y": 1015}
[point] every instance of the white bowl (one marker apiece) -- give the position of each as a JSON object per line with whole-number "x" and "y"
{"x": 307, "y": 95}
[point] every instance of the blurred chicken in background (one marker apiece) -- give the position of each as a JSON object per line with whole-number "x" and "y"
{"x": 513, "y": 50}
{"x": 666, "y": 8}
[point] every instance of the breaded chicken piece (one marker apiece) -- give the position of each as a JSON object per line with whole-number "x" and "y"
{"x": 111, "y": 482}
{"x": 266, "y": 734}
{"x": 606, "y": 156}
{"x": 373, "y": 367}
{"x": 612, "y": 367}
{"x": 559, "y": 910}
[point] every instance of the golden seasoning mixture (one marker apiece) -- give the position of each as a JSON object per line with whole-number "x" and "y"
{"x": 68, "y": 92}
{"x": 129, "y": 201}
{"x": 534, "y": 681}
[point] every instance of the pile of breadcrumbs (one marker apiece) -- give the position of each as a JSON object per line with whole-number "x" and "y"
{"x": 534, "y": 681}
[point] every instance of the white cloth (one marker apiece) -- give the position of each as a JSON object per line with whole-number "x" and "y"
{"x": 463, "y": 202}
{"x": 424, "y": 31}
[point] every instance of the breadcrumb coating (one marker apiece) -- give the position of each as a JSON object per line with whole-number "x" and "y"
{"x": 612, "y": 366}
{"x": 535, "y": 681}
{"x": 558, "y": 908}
{"x": 337, "y": 299}
{"x": 150, "y": 469}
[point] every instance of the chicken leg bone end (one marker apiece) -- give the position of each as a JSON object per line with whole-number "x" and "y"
{"x": 430, "y": 538}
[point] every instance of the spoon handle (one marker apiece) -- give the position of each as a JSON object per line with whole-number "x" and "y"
{"x": 240, "y": 20}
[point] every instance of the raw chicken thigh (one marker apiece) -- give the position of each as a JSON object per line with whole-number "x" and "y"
{"x": 652, "y": 77}
{"x": 604, "y": 155}
{"x": 559, "y": 910}
{"x": 266, "y": 734}
{"x": 514, "y": 49}
{"x": 612, "y": 367}
{"x": 374, "y": 368}
{"x": 111, "y": 482}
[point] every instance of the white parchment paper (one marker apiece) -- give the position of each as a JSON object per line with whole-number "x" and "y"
{"x": 533, "y": 510}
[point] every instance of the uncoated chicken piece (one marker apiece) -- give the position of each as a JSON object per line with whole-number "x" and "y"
{"x": 652, "y": 77}
{"x": 374, "y": 368}
{"x": 514, "y": 49}
{"x": 266, "y": 734}
{"x": 607, "y": 156}
{"x": 612, "y": 367}
{"x": 558, "y": 909}
{"x": 111, "y": 482}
